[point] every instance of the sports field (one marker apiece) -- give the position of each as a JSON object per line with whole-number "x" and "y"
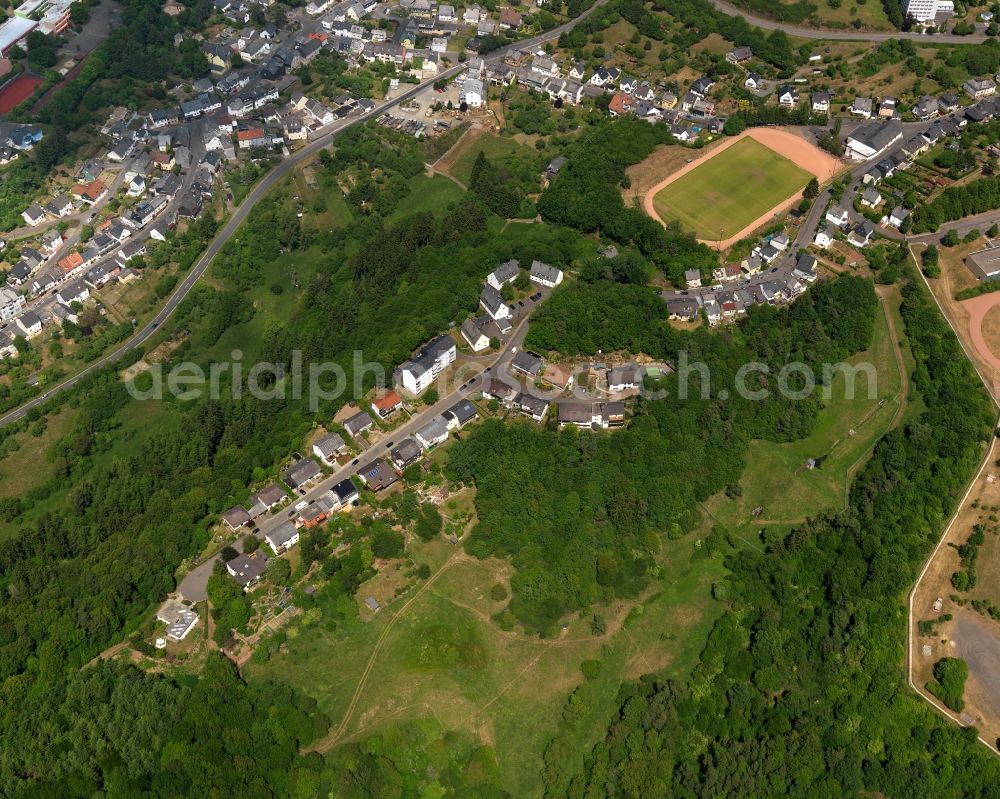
{"x": 730, "y": 190}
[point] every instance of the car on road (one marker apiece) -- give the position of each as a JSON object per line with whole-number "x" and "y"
{"x": 536, "y": 296}
{"x": 291, "y": 513}
{"x": 301, "y": 505}
{"x": 155, "y": 325}
{"x": 355, "y": 462}
{"x": 388, "y": 445}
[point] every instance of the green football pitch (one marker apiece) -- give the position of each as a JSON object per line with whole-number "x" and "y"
{"x": 728, "y": 191}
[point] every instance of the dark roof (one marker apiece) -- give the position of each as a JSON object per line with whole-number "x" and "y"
{"x": 360, "y": 421}
{"x": 345, "y": 490}
{"x": 462, "y": 411}
{"x": 377, "y": 474}
{"x": 247, "y": 569}
{"x": 527, "y": 362}
{"x": 406, "y": 452}
{"x": 301, "y": 472}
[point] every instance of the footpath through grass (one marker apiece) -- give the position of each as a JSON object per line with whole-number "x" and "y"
{"x": 731, "y": 189}
{"x": 446, "y": 657}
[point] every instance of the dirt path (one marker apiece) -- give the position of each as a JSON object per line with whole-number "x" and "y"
{"x": 466, "y": 140}
{"x": 110, "y": 652}
{"x": 330, "y": 739}
{"x": 784, "y": 142}
{"x": 433, "y": 170}
{"x": 897, "y": 351}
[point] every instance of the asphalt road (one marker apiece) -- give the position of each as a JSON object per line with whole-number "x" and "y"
{"x": 844, "y": 35}
{"x": 265, "y": 185}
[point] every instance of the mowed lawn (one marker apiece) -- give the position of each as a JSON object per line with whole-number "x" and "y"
{"x": 723, "y": 195}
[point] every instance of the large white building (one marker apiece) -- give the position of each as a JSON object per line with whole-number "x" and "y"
{"x": 11, "y": 304}
{"x": 925, "y": 11}
{"x": 417, "y": 374}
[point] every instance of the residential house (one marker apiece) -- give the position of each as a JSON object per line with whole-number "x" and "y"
{"x": 861, "y": 234}
{"x": 29, "y": 323}
{"x": 805, "y": 268}
{"x": 898, "y": 216}
{"x": 692, "y": 278}
{"x": 247, "y": 570}
{"x": 358, "y": 423}
{"x": 235, "y": 518}
{"x": 11, "y": 304}
{"x": 387, "y": 404}
{"x": 417, "y": 373}
{"x": 926, "y": 107}
{"x": 821, "y": 102}
{"x": 327, "y": 447}
{"x": 433, "y": 433}
{"x": 977, "y": 88}
{"x": 282, "y": 537}
{"x": 494, "y": 304}
{"x": 472, "y": 332}
{"x": 558, "y": 376}
{"x": 887, "y": 108}
{"x": 510, "y": 19}
{"x": 836, "y": 215}
{"x": 753, "y": 82}
{"x": 91, "y": 192}
{"x": 74, "y": 291}
{"x": 59, "y": 206}
{"x": 459, "y": 414}
{"x": 870, "y": 197}
{"x": 33, "y": 215}
{"x": 605, "y": 76}
{"x": 301, "y": 473}
{"x": 862, "y": 107}
{"x": 406, "y": 453}
{"x": 624, "y": 378}
{"x": 473, "y": 93}
{"x": 545, "y": 275}
{"x": 377, "y": 475}
{"x": 739, "y": 55}
{"x": 527, "y": 363}
{"x": 530, "y": 405}
{"x": 70, "y": 262}
{"x": 788, "y": 96}
{"x": 504, "y": 274}
{"x": 499, "y": 391}
{"x": 345, "y": 492}
{"x": 824, "y": 238}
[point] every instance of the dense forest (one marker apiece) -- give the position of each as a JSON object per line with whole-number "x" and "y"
{"x": 581, "y": 515}
{"x": 800, "y": 689}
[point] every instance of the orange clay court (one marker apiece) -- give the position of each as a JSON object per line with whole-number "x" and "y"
{"x": 740, "y": 185}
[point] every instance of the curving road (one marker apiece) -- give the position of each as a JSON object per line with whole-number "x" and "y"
{"x": 844, "y": 35}
{"x": 265, "y": 185}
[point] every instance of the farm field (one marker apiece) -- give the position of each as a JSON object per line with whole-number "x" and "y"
{"x": 446, "y": 658}
{"x": 776, "y": 478}
{"x": 727, "y": 192}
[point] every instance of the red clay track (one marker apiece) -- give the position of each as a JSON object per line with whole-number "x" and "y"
{"x": 977, "y": 308}
{"x": 17, "y": 91}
